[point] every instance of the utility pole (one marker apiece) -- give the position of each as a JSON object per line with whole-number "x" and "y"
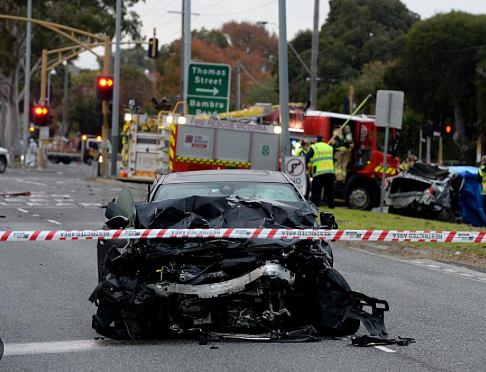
{"x": 187, "y": 47}
{"x": 65, "y": 98}
{"x": 25, "y": 132}
{"x": 104, "y": 110}
{"x": 182, "y": 64}
{"x": 314, "y": 57}
{"x": 283, "y": 77}
{"x": 183, "y": 51}
{"x": 116, "y": 93}
{"x": 238, "y": 85}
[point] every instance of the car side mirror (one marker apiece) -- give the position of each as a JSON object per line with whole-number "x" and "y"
{"x": 110, "y": 210}
{"x": 328, "y": 221}
{"x": 117, "y": 223}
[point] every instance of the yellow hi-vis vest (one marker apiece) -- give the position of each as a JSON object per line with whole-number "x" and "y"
{"x": 482, "y": 174}
{"x": 300, "y": 151}
{"x": 321, "y": 160}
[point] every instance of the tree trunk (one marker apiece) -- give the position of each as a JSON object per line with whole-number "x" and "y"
{"x": 460, "y": 137}
{"x": 12, "y": 131}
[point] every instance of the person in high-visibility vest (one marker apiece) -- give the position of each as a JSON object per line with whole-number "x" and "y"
{"x": 320, "y": 155}
{"x": 342, "y": 144}
{"x": 482, "y": 180}
{"x": 409, "y": 162}
{"x": 302, "y": 151}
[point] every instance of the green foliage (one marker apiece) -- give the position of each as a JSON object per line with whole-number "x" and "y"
{"x": 438, "y": 73}
{"x": 214, "y": 37}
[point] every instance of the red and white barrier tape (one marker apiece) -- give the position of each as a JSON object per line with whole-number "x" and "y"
{"x": 297, "y": 234}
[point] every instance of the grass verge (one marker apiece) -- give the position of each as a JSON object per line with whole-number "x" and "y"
{"x": 466, "y": 253}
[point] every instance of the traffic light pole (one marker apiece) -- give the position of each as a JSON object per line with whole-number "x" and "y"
{"x": 42, "y": 101}
{"x": 116, "y": 93}
{"x": 104, "y": 130}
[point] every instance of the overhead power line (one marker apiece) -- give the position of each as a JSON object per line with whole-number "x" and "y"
{"x": 242, "y": 12}
{"x": 255, "y": 81}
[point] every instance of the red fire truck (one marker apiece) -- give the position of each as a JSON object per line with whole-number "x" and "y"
{"x": 362, "y": 187}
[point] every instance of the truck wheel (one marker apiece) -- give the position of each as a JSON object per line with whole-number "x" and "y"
{"x": 3, "y": 164}
{"x": 55, "y": 159}
{"x": 66, "y": 160}
{"x": 361, "y": 196}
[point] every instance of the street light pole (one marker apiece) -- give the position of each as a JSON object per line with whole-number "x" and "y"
{"x": 314, "y": 56}
{"x": 65, "y": 98}
{"x": 283, "y": 77}
{"x": 25, "y": 132}
{"x": 116, "y": 92}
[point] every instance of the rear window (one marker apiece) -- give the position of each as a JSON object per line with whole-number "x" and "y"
{"x": 264, "y": 191}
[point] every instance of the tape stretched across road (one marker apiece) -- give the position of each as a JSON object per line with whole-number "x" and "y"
{"x": 238, "y": 233}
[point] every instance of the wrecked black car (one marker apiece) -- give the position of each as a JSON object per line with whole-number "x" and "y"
{"x": 426, "y": 191}
{"x": 270, "y": 289}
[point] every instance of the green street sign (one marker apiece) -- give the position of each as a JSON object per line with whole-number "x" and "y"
{"x": 208, "y": 88}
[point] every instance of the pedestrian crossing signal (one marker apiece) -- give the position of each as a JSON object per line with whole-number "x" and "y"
{"x": 448, "y": 129}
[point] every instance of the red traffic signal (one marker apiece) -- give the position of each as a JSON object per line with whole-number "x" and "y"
{"x": 41, "y": 116}
{"x": 448, "y": 129}
{"x": 104, "y": 88}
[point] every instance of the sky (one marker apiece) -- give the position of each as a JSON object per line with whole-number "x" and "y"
{"x": 214, "y": 13}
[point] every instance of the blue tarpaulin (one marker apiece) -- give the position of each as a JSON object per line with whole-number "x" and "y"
{"x": 470, "y": 199}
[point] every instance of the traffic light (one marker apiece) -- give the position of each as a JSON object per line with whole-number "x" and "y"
{"x": 448, "y": 129}
{"x": 41, "y": 116}
{"x": 104, "y": 88}
{"x": 153, "y": 49}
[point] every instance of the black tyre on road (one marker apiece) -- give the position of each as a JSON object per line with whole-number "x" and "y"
{"x": 3, "y": 164}
{"x": 331, "y": 300}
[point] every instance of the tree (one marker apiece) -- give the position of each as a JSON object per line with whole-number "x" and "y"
{"x": 438, "y": 71}
{"x": 89, "y": 15}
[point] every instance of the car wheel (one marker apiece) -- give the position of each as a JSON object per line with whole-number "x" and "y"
{"x": 3, "y": 164}
{"x": 66, "y": 160}
{"x": 55, "y": 160}
{"x": 330, "y": 302}
{"x": 89, "y": 161}
{"x": 362, "y": 197}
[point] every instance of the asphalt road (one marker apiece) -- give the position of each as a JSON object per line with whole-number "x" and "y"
{"x": 45, "y": 315}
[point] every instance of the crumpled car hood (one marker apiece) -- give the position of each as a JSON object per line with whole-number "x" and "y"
{"x": 221, "y": 212}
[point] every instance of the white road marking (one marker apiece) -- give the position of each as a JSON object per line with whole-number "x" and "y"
{"x": 434, "y": 266}
{"x": 30, "y": 182}
{"x": 385, "y": 349}
{"x": 35, "y": 215}
{"x": 451, "y": 271}
{"x": 54, "y": 222}
{"x": 418, "y": 262}
{"x": 462, "y": 274}
{"x": 91, "y": 204}
{"x": 22, "y": 210}
{"x": 51, "y": 347}
{"x": 2, "y": 203}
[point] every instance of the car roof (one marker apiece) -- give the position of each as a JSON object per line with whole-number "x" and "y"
{"x": 225, "y": 175}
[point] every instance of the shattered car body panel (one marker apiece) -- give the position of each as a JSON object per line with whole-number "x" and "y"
{"x": 278, "y": 289}
{"x": 425, "y": 191}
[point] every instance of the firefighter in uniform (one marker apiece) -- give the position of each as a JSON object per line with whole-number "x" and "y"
{"x": 482, "y": 180}
{"x": 342, "y": 144}
{"x": 301, "y": 151}
{"x": 322, "y": 169}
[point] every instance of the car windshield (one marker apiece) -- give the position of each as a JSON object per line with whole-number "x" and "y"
{"x": 264, "y": 191}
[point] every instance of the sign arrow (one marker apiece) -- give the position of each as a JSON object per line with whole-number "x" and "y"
{"x": 214, "y": 90}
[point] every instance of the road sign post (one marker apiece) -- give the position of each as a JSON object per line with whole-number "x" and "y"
{"x": 389, "y": 113}
{"x": 294, "y": 168}
{"x": 208, "y": 88}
